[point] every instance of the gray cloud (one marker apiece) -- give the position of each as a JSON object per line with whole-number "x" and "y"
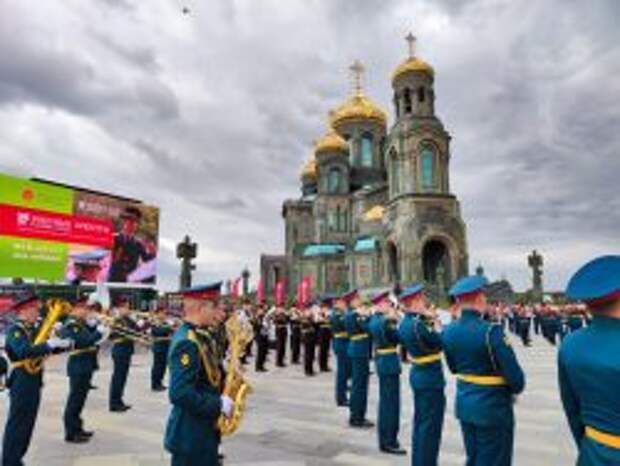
{"x": 211, "y": 115}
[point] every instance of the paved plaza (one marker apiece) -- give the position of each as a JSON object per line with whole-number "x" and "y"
{"x": 291, "y": 420}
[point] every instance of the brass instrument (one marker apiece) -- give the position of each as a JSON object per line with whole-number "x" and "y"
{"x": 57, "y": 309}
{"x": 124, "y": 331}
{"x": 239, "y": 334}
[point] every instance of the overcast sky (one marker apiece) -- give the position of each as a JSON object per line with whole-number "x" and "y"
{"x": 210, "y": 114}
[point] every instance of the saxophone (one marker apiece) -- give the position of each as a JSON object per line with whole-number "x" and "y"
{"x": 57, "y": 309}
{"x": 239, "y": 334}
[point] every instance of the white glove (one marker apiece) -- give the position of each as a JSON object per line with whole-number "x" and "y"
{"x": 92, "y": 322}
{"x": 104, "y": 331}
{"x": 59, "y": 343}
{"x": 141, "y": 323}
{"x": 58, "y": 326}
{"x": 227, "y": 406}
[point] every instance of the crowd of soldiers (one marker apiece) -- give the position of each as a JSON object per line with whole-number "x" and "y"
{"x": 470, "y": 338}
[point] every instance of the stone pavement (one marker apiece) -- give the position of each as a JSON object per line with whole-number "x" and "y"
{"x": 291, "y": 421}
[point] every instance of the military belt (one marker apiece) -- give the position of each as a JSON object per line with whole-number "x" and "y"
{"x": 161, "y": 339}
{"x": 359, "y": 336}
{"x": 90, "y": 349}
{"x": 383, "y": 351}
{"x": 604, "y": 438}
{"x": 486, "y": 380}
{"x": 326, "y": 326}
{"x": 341, "y": 335}
{"x": 120, "y": 340}
{"x": 428, "y": 359}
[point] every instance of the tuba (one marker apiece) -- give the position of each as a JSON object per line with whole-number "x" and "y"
{"x": 239, "y": 333}
{"x": 56, "y": 310}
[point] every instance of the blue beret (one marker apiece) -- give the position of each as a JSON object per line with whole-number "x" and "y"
{"x": 380, "y": 297}
{"x": 596, "y": 280}
{"x": 467, "y": 285}
{"x": 412, "y": 291}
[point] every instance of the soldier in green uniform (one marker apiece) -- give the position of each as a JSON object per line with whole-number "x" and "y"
{"x": 589, "y": 367}
{"x": 80, "y": 367}
{"x": 356, "y": 324}
{"x": 191, "y": 432}
{"x": 423, "y": 344}
{"x": 340, "y": 345}
{"x": 382, "y": 326}
{"x": 24, "y": 386}
{"x": 488, "y": 377}
{"x": 161, "y": 332}
{"x": 122, "y": 351}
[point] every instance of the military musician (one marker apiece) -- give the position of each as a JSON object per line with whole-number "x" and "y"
{"x": 81, "y": 364}
{"x": 24, "y": 383}
{"x": 488, "y": 377}
{"x": 588, "y": 364}
{"x": 195, "y": 378}
{"x": 162, "y": 329}
{"x": 383, "y": 328}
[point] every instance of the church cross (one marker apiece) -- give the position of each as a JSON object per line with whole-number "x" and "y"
{"x": 357, "y": 71}
{"x": 411, "y": 40}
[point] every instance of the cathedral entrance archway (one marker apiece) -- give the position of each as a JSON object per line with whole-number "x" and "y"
{"x": 393, "y": 268}
{"x": 436, "y": 265}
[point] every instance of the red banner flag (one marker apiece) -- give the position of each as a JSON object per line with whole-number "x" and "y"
{"x": 306, "y": 288}
{"x": 260, "y": 291}
{"x": 280, "y": 293}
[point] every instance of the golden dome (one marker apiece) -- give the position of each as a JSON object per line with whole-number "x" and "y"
{"x": 358, "y": 107}
{"x": 375, "y": 213}
{"x": 309, "y": 169}
{"x": 413, "y": 64}
{"x": 331, "y": 142}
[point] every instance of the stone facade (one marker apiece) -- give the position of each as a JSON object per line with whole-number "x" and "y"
{"x": 376, "y": 208}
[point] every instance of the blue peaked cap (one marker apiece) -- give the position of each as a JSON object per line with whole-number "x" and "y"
{"x": 411, "y": 291}
{"x": 598, "y": 279}
{"x": 468, "y": 285}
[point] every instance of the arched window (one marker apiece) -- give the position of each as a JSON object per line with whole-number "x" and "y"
{"x": 333, "y": 181}
{"x": 427, "y": 165}
{"x": 407, "y": 99}
{"x": 366, "y": 159}
{"x": 421, "y": 94}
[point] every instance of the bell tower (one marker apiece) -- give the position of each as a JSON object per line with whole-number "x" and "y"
{"x": 424, "y": 220}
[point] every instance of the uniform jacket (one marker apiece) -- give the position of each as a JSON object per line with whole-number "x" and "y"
{"x": 162, "y": 335}
{"x": 195, "y": 399}
{"x": 19, "y": 346}
{"x": 385, "y": 337}
{"x": 123, "y": 347}
{"x": 589, "y": 377}
{"x": 82, "y": 360}
{"x": 420, "y": 340}
{"x": 340, "y": 343}
{"x": 475, "y": 347}
{"x": 359, "y": 340}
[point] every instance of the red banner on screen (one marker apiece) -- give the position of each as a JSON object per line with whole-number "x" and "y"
{"x": 39, "y": 224}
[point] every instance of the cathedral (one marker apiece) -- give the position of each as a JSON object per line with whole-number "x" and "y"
{"x": 375, "y": 210}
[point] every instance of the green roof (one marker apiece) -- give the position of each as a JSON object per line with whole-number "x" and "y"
{"x": 366, "y": 245}
{"x": 323, "y": 250}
